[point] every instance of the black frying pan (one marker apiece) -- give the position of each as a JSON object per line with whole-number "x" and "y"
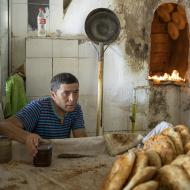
{"x": 102, "y": 25}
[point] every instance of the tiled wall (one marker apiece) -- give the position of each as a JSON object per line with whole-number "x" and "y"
{"x": 19, "y": 22}
{"x": 47, "y": 57}
{"x": 3, "y": 46}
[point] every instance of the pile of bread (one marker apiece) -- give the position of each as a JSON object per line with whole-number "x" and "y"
{"x": 162, "y": 164}
{"x": 175, "y": 17}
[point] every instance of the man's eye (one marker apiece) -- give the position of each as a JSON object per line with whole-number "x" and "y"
{"x": 67, "y": 93}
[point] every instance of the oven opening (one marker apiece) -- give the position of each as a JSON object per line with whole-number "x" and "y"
{"x": 169, "y": 45}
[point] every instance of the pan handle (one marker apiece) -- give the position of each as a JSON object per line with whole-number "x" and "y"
{"x": 99, "y": 124}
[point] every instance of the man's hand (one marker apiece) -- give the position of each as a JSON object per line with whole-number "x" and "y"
{"x": 32, "y": 141}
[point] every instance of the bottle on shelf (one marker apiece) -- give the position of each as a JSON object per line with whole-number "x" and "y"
{"x": 42, "y": 22}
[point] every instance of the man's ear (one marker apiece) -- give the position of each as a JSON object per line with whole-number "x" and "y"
{"x": 53, "y": 94}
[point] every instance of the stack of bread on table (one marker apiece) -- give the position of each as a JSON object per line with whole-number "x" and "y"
{"x": 163, "y": 163}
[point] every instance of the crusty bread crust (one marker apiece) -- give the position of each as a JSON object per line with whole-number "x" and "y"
{"x": 120, "y": 172}
{"x": 149, "y": 185}
{"x": 176, "y": 138}
{"x": 142, "y": 176}
{"x": 154, "y": 159}
{"x": 167, "y": 178}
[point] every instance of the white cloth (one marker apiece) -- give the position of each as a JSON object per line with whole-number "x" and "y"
{"x": 157, "y": 130}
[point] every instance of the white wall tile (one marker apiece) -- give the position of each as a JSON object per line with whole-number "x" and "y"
{"x": 88, "y": 77}
{"x": 65, "y": 48}
{"x": 18, "y": 52}
{"x": 3, "y": 18}
{"x": 69, "y": 65}
{"x": 19, "y": 19}
{"x": 38, "y": 81}
{"x": 38, "y": 48}
{"x": 87, "y": 49}
{"x": 19, "y": 1}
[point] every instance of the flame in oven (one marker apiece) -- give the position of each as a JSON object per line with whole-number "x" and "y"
{"x": 174, "y": 77}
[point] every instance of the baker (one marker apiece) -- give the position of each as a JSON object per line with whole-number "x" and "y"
{"x": 55, "y": 116}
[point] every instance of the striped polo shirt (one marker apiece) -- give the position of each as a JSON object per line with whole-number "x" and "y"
{"x": 39, "y": 117}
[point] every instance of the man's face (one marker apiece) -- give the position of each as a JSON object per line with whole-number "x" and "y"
{"x": 66, "y": 96}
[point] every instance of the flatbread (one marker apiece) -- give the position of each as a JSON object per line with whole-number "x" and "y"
{"x": 140, "y": 162}
{"x": 149, "y": 185}
{"x": 154, "y": 159}
{"x": 120, "y": 172}
{"x": 181, "y": 159}
{"x": 176, "y": 138}
{"x": 184, "y": 132}
{"x": 163, "y": 146}
{"x": 142, "y": 176}
{"x": 173, "y": 177}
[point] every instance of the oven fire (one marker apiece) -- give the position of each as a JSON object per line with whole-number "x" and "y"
{"x": 174, "y": 78}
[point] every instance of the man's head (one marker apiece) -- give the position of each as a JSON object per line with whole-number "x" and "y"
{"x": 65, "y": 91}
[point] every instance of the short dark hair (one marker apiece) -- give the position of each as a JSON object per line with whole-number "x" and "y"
{"x": 62, "y": 78}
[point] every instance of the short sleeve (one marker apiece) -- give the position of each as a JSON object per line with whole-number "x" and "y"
{"x": 78, "y": 121}
{"x": 29, "y": 115}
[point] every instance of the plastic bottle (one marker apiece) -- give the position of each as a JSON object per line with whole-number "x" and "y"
{"x": 41, "y": 21}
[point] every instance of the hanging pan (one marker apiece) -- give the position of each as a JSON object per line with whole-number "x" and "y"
{"x": 102, "y": 27}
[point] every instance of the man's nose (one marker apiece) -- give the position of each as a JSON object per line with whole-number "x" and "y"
{"x": 71, "y": 97}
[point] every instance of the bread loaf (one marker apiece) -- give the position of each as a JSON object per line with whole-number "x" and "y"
{"x": 169, "y": 7}
{"x": 154, "y": 159}
{"x": 149, "y": 185}
{"x": 181, "y": 159}
{"x": 173, "y": 30}
{"x": 173, "y": 177}
{"x": 179, "y": 20}
{"x": 120, "y": 172}
{"x": 187, "y": 147}
{"x": 186, "y": 167}
{"x": 164, "y": 15}
{"x": 163, "y": 146}
{"x": 142, "y": 176}
{"x": 140, "y": 162}
{"x": 181, "y": 9}
{"x": 176, "y": 138}
{"x": 184, "y": 132}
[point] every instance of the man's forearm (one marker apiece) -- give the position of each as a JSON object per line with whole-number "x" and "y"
{"x": 10, "y": 130}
